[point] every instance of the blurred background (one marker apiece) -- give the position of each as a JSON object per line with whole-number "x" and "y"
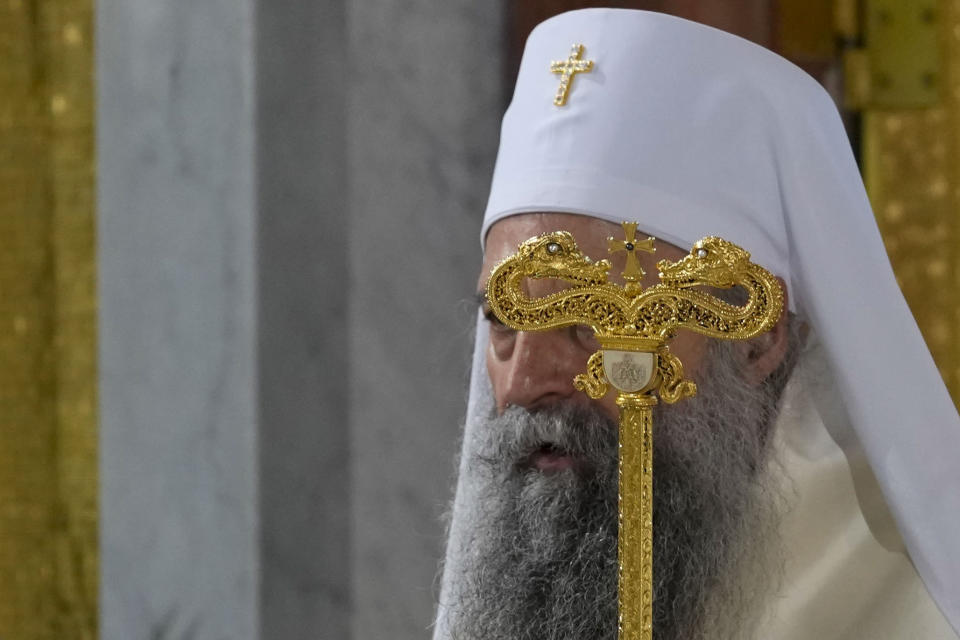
{"x": 238, "y": 243}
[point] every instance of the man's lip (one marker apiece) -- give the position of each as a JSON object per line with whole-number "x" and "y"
{"x": 550, "y": 459}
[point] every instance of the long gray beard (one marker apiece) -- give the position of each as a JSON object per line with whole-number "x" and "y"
{"x": 540, "y": 561}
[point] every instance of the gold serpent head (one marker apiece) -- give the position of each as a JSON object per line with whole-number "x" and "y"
{"x": 556, "y": 255}
{"x": 712, "y": 261}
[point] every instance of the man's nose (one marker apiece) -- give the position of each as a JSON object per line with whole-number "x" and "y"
{"x": 542, "y": 368}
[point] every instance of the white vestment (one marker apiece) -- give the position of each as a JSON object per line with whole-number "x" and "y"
{"x": 840, "y": 582}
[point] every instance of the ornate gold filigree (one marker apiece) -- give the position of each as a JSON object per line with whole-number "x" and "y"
{"x": 631, "y": 319}
{"x": 655, "y": 313}
{"x": 673, "y": 387}
{"x": 594, "y": 381}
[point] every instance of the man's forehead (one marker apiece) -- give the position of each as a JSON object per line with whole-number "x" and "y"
{"x": 590, "y": 233}
{"x": 505, "y": 234}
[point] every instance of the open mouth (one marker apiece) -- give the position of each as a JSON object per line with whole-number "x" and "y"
{"x": 550, "y": 458}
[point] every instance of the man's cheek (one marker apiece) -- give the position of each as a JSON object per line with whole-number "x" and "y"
{"x": 496, "y": 374}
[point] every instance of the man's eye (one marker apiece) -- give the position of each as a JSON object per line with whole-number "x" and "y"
{"x": 495, "y": 323}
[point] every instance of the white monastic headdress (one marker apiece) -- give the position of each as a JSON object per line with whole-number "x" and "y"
{"x": 693, "y": 132}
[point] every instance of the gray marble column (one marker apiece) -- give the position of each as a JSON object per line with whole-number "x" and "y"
{"x": 178, "y": 335}
{"x": 223, "y": 320}
{"x": 289, "y": 200}
{"x": 303, "y": 288}
{"x": 425, "y": 106}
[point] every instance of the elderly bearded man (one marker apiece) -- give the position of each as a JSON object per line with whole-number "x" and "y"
{"x": 810, "y": 489}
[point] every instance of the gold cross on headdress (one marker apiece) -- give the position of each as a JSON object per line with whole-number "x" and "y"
{"x": 632, "y": 272}
{"x": 567, "y": 68}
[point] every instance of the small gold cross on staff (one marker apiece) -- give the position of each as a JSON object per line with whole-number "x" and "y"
{"x": 567, "y": 69}
{"x": 632, "y": 272}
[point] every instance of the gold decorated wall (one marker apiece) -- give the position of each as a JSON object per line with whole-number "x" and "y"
{"x": 48, "y": 472}
{"x": 911, "y": 159}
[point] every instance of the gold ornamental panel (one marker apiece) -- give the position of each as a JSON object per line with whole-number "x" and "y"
{"x": 48, "y": 441}
{"x": 911, "y": 161}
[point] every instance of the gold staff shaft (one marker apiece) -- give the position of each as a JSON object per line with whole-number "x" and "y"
{"x": 635, "y": 535}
